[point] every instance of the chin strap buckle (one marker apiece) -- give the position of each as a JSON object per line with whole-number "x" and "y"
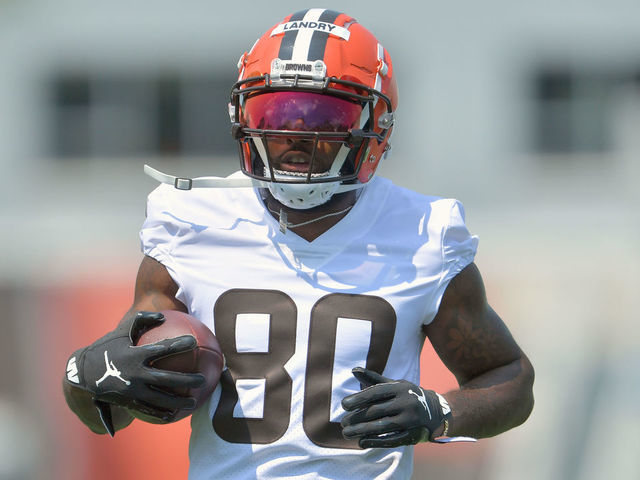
{"x": 182, "y": 183}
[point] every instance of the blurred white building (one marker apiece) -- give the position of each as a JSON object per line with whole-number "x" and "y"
{"x": 529, "y": 112}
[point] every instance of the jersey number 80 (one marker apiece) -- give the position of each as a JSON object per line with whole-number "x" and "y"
{"x": 269, "y": 365}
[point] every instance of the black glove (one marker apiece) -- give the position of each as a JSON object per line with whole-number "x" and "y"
{"x": 115, "y": 371}
{"x": 390, "y": 413}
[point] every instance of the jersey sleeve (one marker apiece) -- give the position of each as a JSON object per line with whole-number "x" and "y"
{"x": 458, "y": 249}
{"x": 159, "y": 234}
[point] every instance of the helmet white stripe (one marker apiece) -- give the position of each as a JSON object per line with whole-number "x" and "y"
{"x": 364, "y": 116}
{"x": 341, "y": 156}
{"x": 377, "y": 85}
{"x": 383, "y": 70}
{"x": 257, "y": 141}
{"x": 303, "y": 39}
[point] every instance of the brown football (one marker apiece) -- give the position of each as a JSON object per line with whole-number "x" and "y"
{"x": 206, "y": 358}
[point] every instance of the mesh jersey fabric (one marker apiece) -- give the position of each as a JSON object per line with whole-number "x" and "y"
{"x": 294, "y": 317}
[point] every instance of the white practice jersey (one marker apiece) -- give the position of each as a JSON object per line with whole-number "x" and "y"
{"x": 294, "y": 317}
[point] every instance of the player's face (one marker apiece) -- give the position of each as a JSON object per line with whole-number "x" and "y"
{"x": 301, "y": 112}
{"x": 294, "y": 155}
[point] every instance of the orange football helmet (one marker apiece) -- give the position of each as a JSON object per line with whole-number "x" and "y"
{"x": 319, "y": 87}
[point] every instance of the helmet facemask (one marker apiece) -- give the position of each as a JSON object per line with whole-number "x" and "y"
{"x": 301, "y": 169}
{"x": 305, "y": 134}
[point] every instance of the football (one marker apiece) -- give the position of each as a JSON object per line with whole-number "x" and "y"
{"x": 206, "y": 358}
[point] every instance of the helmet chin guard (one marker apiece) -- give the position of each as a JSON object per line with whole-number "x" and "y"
{"x": 301, "y": 196}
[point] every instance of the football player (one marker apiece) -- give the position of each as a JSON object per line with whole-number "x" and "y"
{"x": 321, "y": 283}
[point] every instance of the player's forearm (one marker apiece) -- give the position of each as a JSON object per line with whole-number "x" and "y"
{"x": 81, "y": 403}
{"x": 493, "y": 402}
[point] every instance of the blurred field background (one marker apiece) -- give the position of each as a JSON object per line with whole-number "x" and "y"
{"x": 528, "y": 112}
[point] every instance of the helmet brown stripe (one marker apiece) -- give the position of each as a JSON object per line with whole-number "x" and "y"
{"x": 289, "y": 39}
{"x": 319, "y": 39}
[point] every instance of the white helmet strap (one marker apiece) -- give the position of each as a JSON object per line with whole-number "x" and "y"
{"x": 185, "y": 183}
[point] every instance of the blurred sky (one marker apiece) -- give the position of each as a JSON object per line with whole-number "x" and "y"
{"x": 529, "y": 112}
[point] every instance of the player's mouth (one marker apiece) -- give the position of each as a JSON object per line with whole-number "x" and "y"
{"x": 295, "y": 161}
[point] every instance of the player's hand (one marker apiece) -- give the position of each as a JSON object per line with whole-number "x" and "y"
{"x": 390, "y": 413}
{"x": 115, "y": 371}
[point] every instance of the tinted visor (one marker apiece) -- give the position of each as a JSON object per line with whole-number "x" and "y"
{"x": 300, "y": 111}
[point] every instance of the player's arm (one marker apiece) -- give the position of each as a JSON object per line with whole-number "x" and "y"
{"x": 154, "y": 291}
{"x": 495, "y": 379}
{"x": 495, "y": 376}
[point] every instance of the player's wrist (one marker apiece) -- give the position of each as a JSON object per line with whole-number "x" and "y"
{"x": 438, "y": 415}
{"x": 448, "y": 417}
{"x": 440, "y": 431}
{"x": 445, "y": 432}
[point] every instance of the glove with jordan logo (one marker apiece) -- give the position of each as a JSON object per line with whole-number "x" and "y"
{"x": 115, "y": 371}
{"x": 389, "y": 413}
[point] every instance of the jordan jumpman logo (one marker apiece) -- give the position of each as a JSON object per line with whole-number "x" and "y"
{"x": 112, "y": 371}
{"x": 422, "y": 400}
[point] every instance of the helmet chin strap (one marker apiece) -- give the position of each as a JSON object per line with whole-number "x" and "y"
{"x": 185, "y": 183}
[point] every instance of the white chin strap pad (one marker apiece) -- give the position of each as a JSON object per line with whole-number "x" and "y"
{"x": 303, "y": 195}
{"x": 304, "y": 192}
